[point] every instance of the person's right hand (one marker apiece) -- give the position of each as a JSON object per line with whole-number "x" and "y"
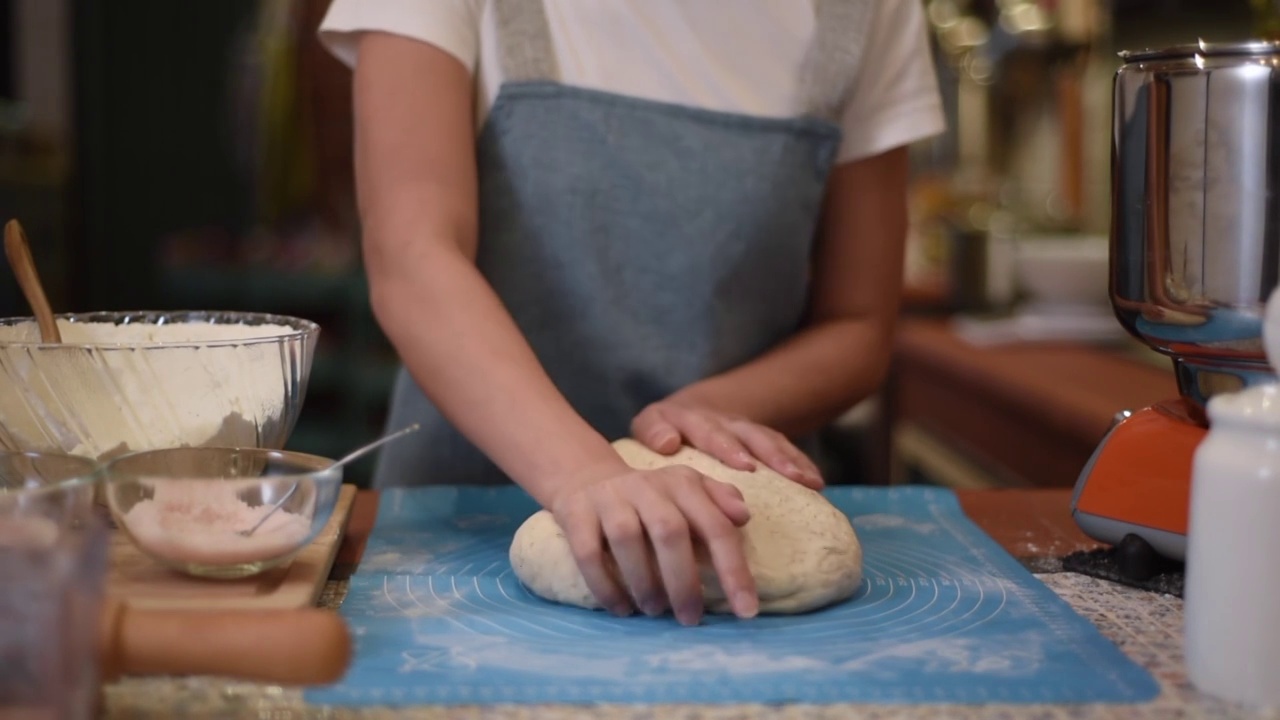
{"x": 632, "y": 533}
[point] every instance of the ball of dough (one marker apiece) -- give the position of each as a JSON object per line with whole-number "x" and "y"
{"x": 802, "y": 550}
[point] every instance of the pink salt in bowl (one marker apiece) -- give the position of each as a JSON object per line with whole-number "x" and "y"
{"x": 191, "y": 509}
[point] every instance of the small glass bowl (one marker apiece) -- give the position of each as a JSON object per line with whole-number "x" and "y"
{"x": 186, "y": 508}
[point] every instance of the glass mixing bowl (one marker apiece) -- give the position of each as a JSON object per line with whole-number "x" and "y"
{"x": 127, "y": 381}
{"x": 189, "y": 508}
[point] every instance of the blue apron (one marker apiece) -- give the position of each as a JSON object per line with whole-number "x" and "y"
{"x": 640, "y": 246}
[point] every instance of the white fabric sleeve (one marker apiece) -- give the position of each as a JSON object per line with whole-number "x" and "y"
{"x": 895, "y": 99}
{"x": 451, "y": 25}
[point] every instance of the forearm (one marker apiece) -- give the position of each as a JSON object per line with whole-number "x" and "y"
{"x": 462, "y": 347}
{"x": 806, "y": 382}
{"x": 417, "y": 192}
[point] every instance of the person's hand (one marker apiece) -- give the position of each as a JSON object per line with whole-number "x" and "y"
{"x": 668, "y": 424}
{"x": 632, "y": 534}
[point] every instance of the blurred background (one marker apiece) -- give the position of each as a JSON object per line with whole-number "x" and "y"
{"x": 197, "y": 155}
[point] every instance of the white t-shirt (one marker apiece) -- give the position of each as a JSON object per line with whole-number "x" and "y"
{"x": 733, "y": 56}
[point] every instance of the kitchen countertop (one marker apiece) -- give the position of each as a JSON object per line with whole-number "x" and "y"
{"x": 1033, "y": 525}
{"x": 1026, "y": 414}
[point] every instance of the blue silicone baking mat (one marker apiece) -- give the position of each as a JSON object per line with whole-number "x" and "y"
{"x": 944, "y": 616}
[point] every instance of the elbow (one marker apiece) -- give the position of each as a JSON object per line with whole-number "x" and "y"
{"x": 866, "y": 377}
{"x": 384, "y": 301}
{"x": 399, "y": 282}
{"x": 386, "y": 289}
{"x": 865, "y": 361}
{"x": 876, "y": 374}
{"x": 882, "y": 354}
{"x": 408, "y": 280}
{"x": 879, "y": 356}
{"x": 391, "y": 306}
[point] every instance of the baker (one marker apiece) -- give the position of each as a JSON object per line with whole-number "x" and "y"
{"x": 678, "y": 220}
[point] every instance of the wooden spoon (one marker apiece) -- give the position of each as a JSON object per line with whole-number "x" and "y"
{"x": 24, "y": 268}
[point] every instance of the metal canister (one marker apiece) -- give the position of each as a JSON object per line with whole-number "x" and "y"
{"x": 1195, "y": 209}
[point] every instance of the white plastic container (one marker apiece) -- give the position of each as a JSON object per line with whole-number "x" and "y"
{"x": 1232, "y": 590}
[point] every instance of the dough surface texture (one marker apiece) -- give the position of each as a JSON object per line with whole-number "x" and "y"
{"x": 802, "y": 550}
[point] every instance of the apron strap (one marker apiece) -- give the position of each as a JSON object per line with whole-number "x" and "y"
{"x": 524, "y": 40}
{"x": 828, "y": 70}
{"x": 826, "y": 73}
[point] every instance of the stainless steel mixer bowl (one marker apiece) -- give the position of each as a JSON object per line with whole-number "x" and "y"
{"x": 109, "y": 392}
{"x": 1195, "y": 235}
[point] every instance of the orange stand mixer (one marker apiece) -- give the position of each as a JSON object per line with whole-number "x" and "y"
{"x": 1195, "y": 254}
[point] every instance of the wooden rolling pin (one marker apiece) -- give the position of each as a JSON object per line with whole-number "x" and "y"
{"x": 285, "y": 647}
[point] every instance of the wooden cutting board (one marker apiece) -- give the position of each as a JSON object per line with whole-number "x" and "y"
{"x": 141, "y": 582}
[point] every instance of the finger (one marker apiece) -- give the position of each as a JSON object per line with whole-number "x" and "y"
{"x": 712, "y": 438}
{"x": 629, "y": 547}
{"x": 729, "y": 499}
{"x": 812, "y": 473}
{"x": 724, "y": 544}
{"x": 775, "y": 450}
{"x": 668, "y": 531}
{"x": 654, "y": 431}
{"x": 583, "y": 532}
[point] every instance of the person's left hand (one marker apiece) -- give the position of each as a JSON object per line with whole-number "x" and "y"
{"x": 668, "y": 424}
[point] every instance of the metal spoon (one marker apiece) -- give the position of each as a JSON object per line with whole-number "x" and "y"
{"x": 18, "y": 251}
{"x": 353, "y": 455}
